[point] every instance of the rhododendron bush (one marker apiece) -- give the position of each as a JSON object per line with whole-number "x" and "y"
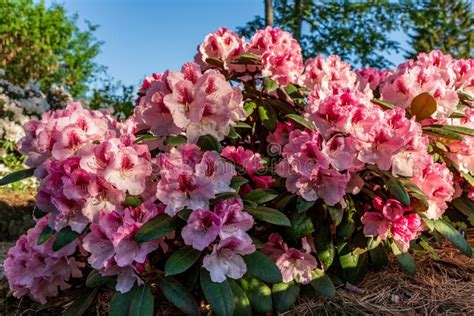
{"x": 248, "y": 178}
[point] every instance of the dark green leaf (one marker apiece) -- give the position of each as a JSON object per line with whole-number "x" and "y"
{"x": 269, "y": 215}
{"x": 285, "y": 295}
{"x": 233, "y": 134}
{"x": 259, "y": 294}
{"x": 262, "y": 267}
{"x": 379, "y": 258}
{"x": 81, "y": 304}
{"x": 301, "y": 225}
{"x": 249, "y": 107}
{"x": 158, "y": 227}
{"x": 120, "y": 303}
{"x": 181, "y": 260}
{"x": 457, "y": 115}
{"x": 260, "y": 196}
{"x": 354, "y": 266}
{"x": 267, "y": 116}
{"x": 383, "y": 104}
{"x": 250, "y": 56}
{"x": 37, "y": 213}
{"x": 300, "y": 120}
{"x": 184, "y": 214}
{"x": 237, "y": 182}
{"x": 133, "y": 201}
{"x": 466, "y": 207}
{"x": 453, "y": 235}
{"x": 269, "y": 84}
{"x": 322, "y": 283}
{"x": 143, "y": 302}
{"x": 242, "y": 125}
{"x": 214, "y": 62}
{"x": 209, "y": 142}
{"x": 442, "y": 132}
{"x": 324, "y": 246}
{"x": 224, "y": 196}
{"x": 45, "y": 235}
{"x": 241, "y": 301}
{"x": 94, "y": 279}
{"x": 175, "y": 140}
{"x": 456, "y": 129}
{"x": 64, "y": 237}
{"x": 405, "y": 260}
{"x": 302, "y": 205}
{"x": 398, "y": 191}
{"x": 336, "y": 214}
{"x": 144, "y": 138}
{"x": 219, "y": 295}
{"x": 178, "y": 295}
{"x": 16, "y": 176}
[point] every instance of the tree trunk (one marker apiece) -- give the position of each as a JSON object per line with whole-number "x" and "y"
{"x": 268, "y": 13}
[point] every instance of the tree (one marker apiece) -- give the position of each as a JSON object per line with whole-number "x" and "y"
{"x": 357, "y": 31}
{"x": 447, "y": 25}
{"x": 44, "y": 44}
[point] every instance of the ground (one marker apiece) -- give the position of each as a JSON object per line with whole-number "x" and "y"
{"x": 443, "y": 286}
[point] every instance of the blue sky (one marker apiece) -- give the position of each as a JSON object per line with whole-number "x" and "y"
{"x": 141, "y": 37}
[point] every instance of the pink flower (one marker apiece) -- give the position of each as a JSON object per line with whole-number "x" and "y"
{"x": 294, "y": 264}
{"x": 223, "y": 45}
{"x": 226, "y": 257}
{"x": 281, "y": 55}
{"x": 308, "y": 170}
{"x": 280, "y": 135}
{"x": 189, "y": 179}
{"x": 114, "y": 251}
{"x": 390, "y": 221}
{"x": 323, "y": 72}
{"x": 37, "y": 270}
{"x": 436, "y": 182}
{"x": 371, "y": 77}
{"x": 233, "y": 218}
{"x": 202, "y": 229}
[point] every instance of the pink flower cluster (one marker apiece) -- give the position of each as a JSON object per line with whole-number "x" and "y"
{"x": 390, "y": 220}
{"x": 294, "y": 264}
{"x": 97, "y": 178}
{"x": 435, "y": 73}
{"x": 323, "y": 73}
{"x": 189, "y": 102}
{"x": 371, "y": 77}
{"x": 37, "y": 270}
{"x": 280, "y": 53}
{"x": 228, "y": 222}
{"x": 190, "y": 178}
{"x": 251, "y": 163}
{"x": 112, "y": 246}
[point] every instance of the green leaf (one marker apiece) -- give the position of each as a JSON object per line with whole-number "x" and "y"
{"x": 300, "y": 120}
{"x": 184, "y": 214}
{"x": 260, "y": 196}
{"x": 383, "y": 104}
{"x": 466, "y": 207}
{"x": 133, "y": 201}
{"x": 81, "y": 304}
{"x": 94, "y": 279}
{"x": 214, "y": 62}
{"x": 237, "y": 182}
{"x": 63, "y": 238}
{"x": 336, "y": 214}
{"x": 267, "y": 116}
{"x": 324, "y": 246}
{"x": 379, "y": 258}
{"x": 120, "y": 303}
{"x": 398, "y": 191}
{"x": 241, "y": 301}
{"x": 442, "y": 132}
{"x": 269, "y": 215}
{"x": 17, "y": 176}
{"x": 209, "y": 142}
{"x": 301, "y": 225}
{"x": 322, "y": 283}
{"x": 233, "y": 134}
{"x": 259, "y": 294}
{"x": 45, "y": 235}
{"x": 453, "y": 235}
{"x": 223, "y": 196}
{"x": 423, "y": 106}
{"x": 219, "y": 295}
{"x": 175, "y": 140}
{"x": 181, "y": 260}
{"x": 250, "y": 56}
{"x": 457, "y": 115}
{"x": 285, "y": 295}
{"x": 37, "y": 213}
{"x": 302, "y": 205}
{"x": 354, "y": 265}
{"x": 242, "y": 125}
{"x": 143, "y": 302}
{"x": 145, "y": 138}
{"x": 249, "y": 107}
{"x": 456, "y": 129}
{"x": 158, "y": 227}
{"x": 262, "y": 267}
{"x": 269, "y": 84}
{"x": 178, "y": 295}
{"x": 405, "y": 260}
